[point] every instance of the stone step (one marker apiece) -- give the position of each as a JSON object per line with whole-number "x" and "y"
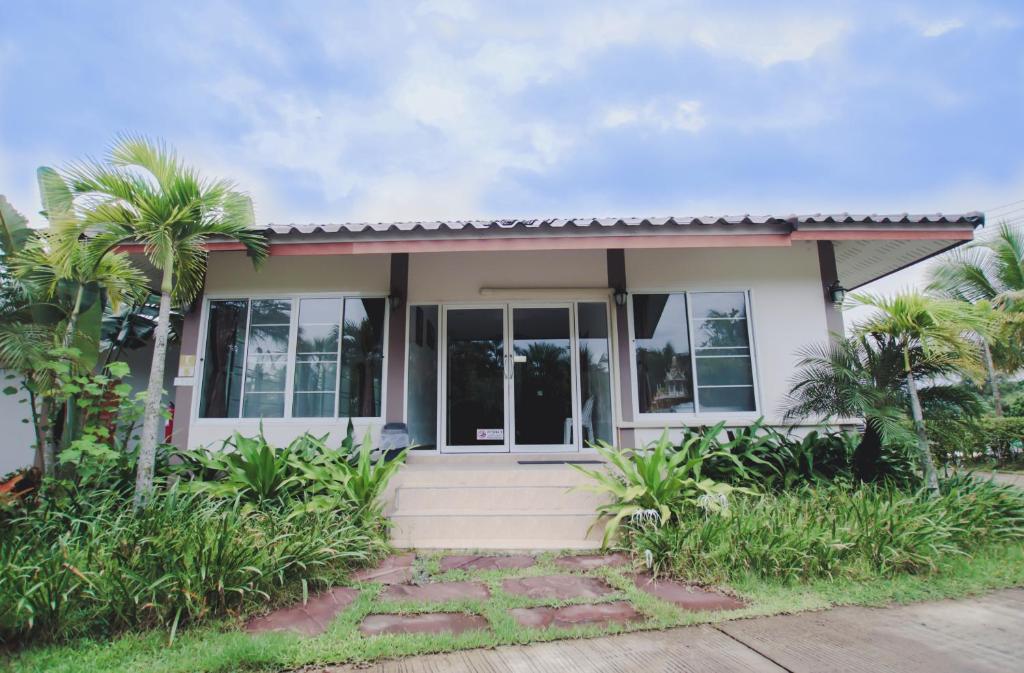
{"x": 485, "y": 499}
{"x": 486, "y": 474}
{"x": 494, "y": 529}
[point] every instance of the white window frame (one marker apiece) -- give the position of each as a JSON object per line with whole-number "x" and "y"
{"x": 695, "y": 416}
{"x": 290, "y": 370}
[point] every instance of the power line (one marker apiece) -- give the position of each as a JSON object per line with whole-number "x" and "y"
{"x": 1005, "y": 205}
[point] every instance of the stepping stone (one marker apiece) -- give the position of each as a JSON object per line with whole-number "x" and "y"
{"x": 567, "y": 617}
{"x": 686, "y": 596}
{"x": 592, "y": 561}
{"x": 436, "y": 591}
{"x": 487, "y": 562}
{"x": 310, "y": 619}
{"x": 434, "y": 622}
{"x": 557, "y": 586}
{"x": 392, "y": 570}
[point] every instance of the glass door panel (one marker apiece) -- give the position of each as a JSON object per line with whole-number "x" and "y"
{"x": 475, "y": 379}
{"x": 542, "y": 382}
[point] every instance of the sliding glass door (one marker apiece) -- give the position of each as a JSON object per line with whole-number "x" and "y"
{"x": 475, "y": 379}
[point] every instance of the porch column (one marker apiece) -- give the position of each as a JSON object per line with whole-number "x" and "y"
{"x": 395, "y": 412}
{"x": 617, "y": 281}
{"x": 829, "y": 275}
{"x": 182, "y": 395}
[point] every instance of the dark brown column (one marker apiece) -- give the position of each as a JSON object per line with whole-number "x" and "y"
{"x": 829, "y": 275}
{"x": 617, "y": 281}
{"x": 182, "y": 395}
{"x": 395, "y": 412}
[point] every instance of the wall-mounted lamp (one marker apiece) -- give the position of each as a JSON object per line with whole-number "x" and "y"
{"x": 837, "y": 293}
{"x": 620, "y": 296}
{"x": 394, "y": 301}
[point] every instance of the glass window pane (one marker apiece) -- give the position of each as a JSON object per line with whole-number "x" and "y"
{"x": 718, "y": 305}
{"x": 316, "y": 375}
{"x": 265, "y": 373}
{"x": 542, "y": 376}
{"x": 313, "y": 405}
{"x": 263, "y": 405}
{"x": 423, "y": 352}
{"x": 662, "y": 353}
{"x": 222, "y": 365}
{"x": 720, "y": 334}
{"x": 317, "y": 339}
{"x": 595, "y": 373}
{"x": 362, "y": 357}
{"x": 723, "y": 371}
{"x": 325, "y": 311}
{"x": 726, "y": 399}
{"x": 475, "y": 407}
{"x": 265, "y": 340}
{"x": 271, "y": 311}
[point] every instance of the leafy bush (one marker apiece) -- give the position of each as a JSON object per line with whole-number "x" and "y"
{"x": 656, "y": 485}
{"x": 306, "y": 475}
{"x": 187, "y": 557}
{"x": 988, "y": 439}
{"x": 836, "y": 531}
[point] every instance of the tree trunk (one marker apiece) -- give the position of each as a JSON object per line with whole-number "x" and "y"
{"x": 931, "y": 477}
{"x": 49, "y": 445}
{"x": 997, "y": 398}
{"x": 151, "y": 430}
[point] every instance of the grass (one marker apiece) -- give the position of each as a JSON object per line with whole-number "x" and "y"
{"x": 221, "y": 646}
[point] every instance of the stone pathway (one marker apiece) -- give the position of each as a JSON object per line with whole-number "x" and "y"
{"x": 569, "y": 616}
{"x": 592, "y": 561}
{"x": 980, "y": 635}
{"x": 686, "y": 596}
{"x": 310, "y": 619}
{"x": 436, "y": 591}
{"x": 392, "y": 570}
{"x": 432, "y": 622}
{"x": 559, "y": 587}
{"x": 487, "y": 562}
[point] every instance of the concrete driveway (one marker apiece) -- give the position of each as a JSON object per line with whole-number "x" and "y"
{"x": 980, "y": 635}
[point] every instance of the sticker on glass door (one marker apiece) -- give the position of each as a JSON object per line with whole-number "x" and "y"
{"x": 490, "y": 434}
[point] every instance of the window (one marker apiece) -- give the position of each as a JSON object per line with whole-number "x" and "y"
{"x": 303, "y": 357}
{"x": 421, "y": 403}
{"x": 595, "y": 373}
{"x": 683, "y": 339}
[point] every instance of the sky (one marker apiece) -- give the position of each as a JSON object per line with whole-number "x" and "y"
{"x": 452, "y": 109}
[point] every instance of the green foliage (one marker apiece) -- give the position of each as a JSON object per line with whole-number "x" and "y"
{"x": 101, "y": 568}
{"x": 656, "y": 485}
{"x": 306, "y": 475}
{"x": 989, "y": 439}
{"x": 836, "y": 531}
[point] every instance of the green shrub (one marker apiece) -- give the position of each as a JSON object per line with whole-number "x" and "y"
{"x": 655, "y": 485}
{"x": 101, "y": 568}
{"x": 835, "y": 531}
{"x": 306, "y": 475}
{"x": 988, "y": 439}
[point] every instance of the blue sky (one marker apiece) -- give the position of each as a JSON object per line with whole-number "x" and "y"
{"x": 457, "y": 109}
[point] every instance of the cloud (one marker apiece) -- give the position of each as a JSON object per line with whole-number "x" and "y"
{"x": 663, "y": 115}
{"x": 939, "y": 28}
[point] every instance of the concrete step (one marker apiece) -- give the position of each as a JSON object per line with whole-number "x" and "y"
{"x": 494, "y": 530}
{"x": 490, "y": 475}
{"x": 482, "y": 499}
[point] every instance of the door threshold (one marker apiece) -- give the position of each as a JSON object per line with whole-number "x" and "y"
{"x": 582, "y": 461}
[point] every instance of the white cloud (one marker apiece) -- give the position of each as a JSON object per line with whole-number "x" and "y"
{"x": 684, "y": 115}
{"x": 939, "y": 28}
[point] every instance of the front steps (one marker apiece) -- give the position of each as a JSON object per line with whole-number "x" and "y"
{"x": 492, "y": 502}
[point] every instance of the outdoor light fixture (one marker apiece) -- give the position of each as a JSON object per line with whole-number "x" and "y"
{"x": 836, "y": 292}
{"x": 394, "y": 301}
{"x": 620, "y": 297}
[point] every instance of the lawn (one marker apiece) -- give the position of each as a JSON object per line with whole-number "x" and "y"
{"x": 222, "y": 646}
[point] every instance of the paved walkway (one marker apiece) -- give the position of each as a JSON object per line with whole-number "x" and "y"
{"x": 979, "y": 635}
{"x": 1010, "y": 478}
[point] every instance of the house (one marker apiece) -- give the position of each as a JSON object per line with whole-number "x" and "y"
{"x": 521, "y": 337}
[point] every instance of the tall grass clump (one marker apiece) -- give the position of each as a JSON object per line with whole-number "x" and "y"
{"x": 187, "y": 557}
{"x": 835, "y": 531}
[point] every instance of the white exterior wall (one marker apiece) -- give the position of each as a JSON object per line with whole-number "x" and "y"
{"x": 786, "y": 304}
{"x": 18, "y": 449}
{"x": 231, "y": 275}
{"x": 787, "y": 308}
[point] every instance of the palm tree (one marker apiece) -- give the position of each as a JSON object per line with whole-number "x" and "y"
{"x": 863, "y": 377}
{"x": 928, "y": 327}
{"x": 992, "y": 271}
{"x": 54, "y": 293}
{"x": 144, "y": 194}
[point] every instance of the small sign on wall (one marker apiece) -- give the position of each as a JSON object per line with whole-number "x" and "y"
{"x": 186, "y": 366}
{"x": 490, "y": 434}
